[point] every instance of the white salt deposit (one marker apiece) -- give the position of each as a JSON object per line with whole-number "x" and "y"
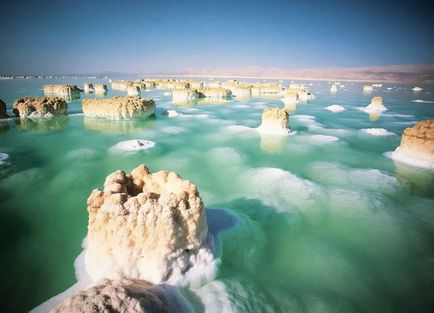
{"x": 377, "y": 131}
{"x": 335, "y": 108}
{"x": 132, "y": 145}
{"x": 421, "y": 101}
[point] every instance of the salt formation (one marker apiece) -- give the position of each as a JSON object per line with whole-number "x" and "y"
{"x": 214, "y": 84}
{"x": 133, "y": 90}
{"x": 39, "y": 107}
{"x": 238, "y": 89}
{"x": 272, "y": 89}
{"x": 333, "y": 88}
{"x": 290, "y": 98}
{"x": 376, "y": 106}
{"x": 171, "y": 113}
{"x": 124, "y": 296}
{"x": 335, "y": 108}
{"x": 121, "y": 85}
{"x": 417, "y": 145}
{"x": 3, "y": 113}
{"x": 100, "y": 89}
{"x": 61, "y": 90}
{"x": 377, "y": 131}
{"x": 417, "y": 89}
{"x": 215, "y": 92}
{"x": 117, "y": 108}
{"x": 148, "y": 226}
{"x": 132, "y": 146}
{"x": 88, "y": 88}
{"x": 194, "y": 84}
{"x": 274, "y": 122}
{"x": 182, "y": 95}
{"x": 368, "y": 88}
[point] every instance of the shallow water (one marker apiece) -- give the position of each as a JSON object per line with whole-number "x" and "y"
{"x": 321, "y": 221}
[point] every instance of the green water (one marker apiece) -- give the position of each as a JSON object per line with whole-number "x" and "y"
{"x": 313, "y": 223}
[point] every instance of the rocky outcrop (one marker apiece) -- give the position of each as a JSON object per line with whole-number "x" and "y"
{"x": 121, "y": 85}
{"x": 39, "y": 107}
{"x": 3, "y": 113}
{"x": 60, "y": 90}
{"x": 121, "y": 296}
{"x": 417, "y": 145}
{"x": 274, "y": 122}
{"x": 133, "y": 90}
{"x": 376, "y": 106}
{"x": 182, "y": 95}
{"x": 117, "y": 108}
{"x": 88, "y": 88}
{"x": 148, "y": 226}
{"x": 215, "y": 93}
{"x": 100, "y": 89}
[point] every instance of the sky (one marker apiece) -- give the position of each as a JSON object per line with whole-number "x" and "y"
{"x": 90, "y": 36}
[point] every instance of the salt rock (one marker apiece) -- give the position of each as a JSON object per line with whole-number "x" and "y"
{"x": 417, "y": 145}
{"x": 88, "y": 87}
{"x": 118, "y": 108}
{"x": 290, "y": 97}
{"x": 335, "y": 108}
{"x": 100, "y": 88}
{"x": 39, "y": 107}
{"x": 368, "y": 88}
{"x": 61, "y": 90}
{"x": 334, "y": 88}
{"x": 133, "y": 90}
{"x": 121, "y": 85}
{"x": 184, "y": 95}
{"x": 215, "y": 92}
{"x": 214, "y": 84}
{"x": 274, "y": 122}
{"x": 376, "y": 105}
{"x": 122, "y": 296}
{"x": 194, "y": 84}
{"x": 377, "y": 131}
{"x": 417, "y": 89}
{"x": 3, "y": 113}
{"x": 149, "y": 226}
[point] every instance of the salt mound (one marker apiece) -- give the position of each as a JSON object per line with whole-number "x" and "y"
{"x": 417, "y": 145}
{"x": 335, "y": 108}
{"x": 39, "y": 107}
{"x": 274, "y": 122}
{"x": 124, "y": 296}
{"x": 133, "y": 145}
{"x": 417, "y": 89}
{"x": 377, "y": 131}
{"x": 149, "y": 226}
{"x": 376, "y": 106}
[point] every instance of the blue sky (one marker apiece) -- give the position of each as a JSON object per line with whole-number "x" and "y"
{"x": 163, "y": 36}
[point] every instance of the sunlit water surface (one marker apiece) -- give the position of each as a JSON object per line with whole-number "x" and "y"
{"x": 321, "y": 221}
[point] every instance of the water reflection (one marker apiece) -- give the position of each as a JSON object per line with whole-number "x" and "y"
{"x": 118, "y": 127}
{"x": 272, "y": 144}
{"x": 418, "y": 181}
{"x": 374, "y": 117}
{"x": 55, "y": 123}
{"x": 4, "y": 126}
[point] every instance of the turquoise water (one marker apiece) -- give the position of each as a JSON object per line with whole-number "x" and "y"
{"x": 312, "y": 223}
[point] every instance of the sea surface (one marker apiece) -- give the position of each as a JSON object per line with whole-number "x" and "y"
{"x": 320, "y": 221}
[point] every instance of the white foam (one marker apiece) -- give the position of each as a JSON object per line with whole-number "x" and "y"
{"x": 3, "y": 158}
{"x": 377, "y": 131}
{"x": 132, "y": 145}
{"x": 335, "y": 108}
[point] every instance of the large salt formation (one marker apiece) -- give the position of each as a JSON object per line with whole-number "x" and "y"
{"x": 122, "y": 296}
{"x": 274, "y": 122}
{"x": 148, "y": 226}
{"x": 184, "y": 95}
{"x": 61, "y": 90}
{"x": 118, "y": 108}
{"x": 88, "y": 88}
{"x": 39, "y": 107}
{"x": 417, "y": 145}
{"x": 121, "y": 85}
{"x": 238, "y": 89}
{"x": 3, "y": 113}
{"x": 221, "y": 93}
{"x": 100, "y": 89}
{"x": 376, "y": 106}
{"x": 273, "y": 89}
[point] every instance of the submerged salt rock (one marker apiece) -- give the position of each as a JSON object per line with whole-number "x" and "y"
{"x": 122, "y": 296}
{"x": 133, "y": 145}
{"x": 61, "y": 90}
{"x": 144, "y": 225}
{"x": 117, "y": 108}
{"x": 3, "y": 113}
{"x": 376, "y": 105}
{"x": 39, "y": 107}
{"x": 274, "y": 122}
{"x": 417, "y": 145}
{"x": 335, "y": 108}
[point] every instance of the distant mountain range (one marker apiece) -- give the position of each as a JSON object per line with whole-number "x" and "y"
{"x": 420, "y": 73}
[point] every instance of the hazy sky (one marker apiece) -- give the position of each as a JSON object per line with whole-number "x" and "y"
{"x": 162, "y": 36}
